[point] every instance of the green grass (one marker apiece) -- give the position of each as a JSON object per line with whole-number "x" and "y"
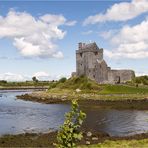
{"x": 89, "y": 86}
{"x": 27, "y": 83}
{"x": 123, "y": 89}
{"x": 120, "y": 144}
{"x": 74, "y": 83}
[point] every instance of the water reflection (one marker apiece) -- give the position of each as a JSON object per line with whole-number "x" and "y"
{"x": 117, "y": 122}
{"x": 18, "y": 116}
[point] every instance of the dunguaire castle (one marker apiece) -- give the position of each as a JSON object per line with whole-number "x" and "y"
{"x": 90, "y": 63}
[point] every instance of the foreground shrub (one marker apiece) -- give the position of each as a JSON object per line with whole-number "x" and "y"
{"x": 69, "y": 132}
{"x": 62, "y": 80}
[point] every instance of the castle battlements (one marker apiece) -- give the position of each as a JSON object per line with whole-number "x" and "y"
{"x": 90, "y": 62}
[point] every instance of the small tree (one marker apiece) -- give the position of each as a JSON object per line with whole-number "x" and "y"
{"x": 69, "y": 132}
{"x": 34, "y": 79}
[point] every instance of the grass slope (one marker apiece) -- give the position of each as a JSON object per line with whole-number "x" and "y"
{"x": 74, "y": 83}
{"x": 123, "y": 89}
{"x": 89, "y": 86}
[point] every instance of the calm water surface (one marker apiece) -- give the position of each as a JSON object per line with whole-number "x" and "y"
{"x": 18, "y": 116}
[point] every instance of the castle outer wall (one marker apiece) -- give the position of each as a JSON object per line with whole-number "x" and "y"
{"x": 120, "y": 76}
{"x": 90, "y": 63}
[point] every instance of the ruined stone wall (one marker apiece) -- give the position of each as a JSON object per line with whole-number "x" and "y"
{"x": 101, "y": 75}
{"x": 89, "y": 62}
{"x": 120, "y": 76}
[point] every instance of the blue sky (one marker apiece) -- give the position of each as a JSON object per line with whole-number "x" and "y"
{"x": 40, "y": 37}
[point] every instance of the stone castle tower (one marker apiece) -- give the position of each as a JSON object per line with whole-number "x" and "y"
{"x": 90, "y": 63}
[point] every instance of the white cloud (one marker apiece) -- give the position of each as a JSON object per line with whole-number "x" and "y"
{"x": 141, "y": 73}
{"x": 53, "y": 19}
{"x": 130, "y": 42}
{"x": 71, "y": 23}
{"x": 120, "y": 12}
{"x": 107, "y": 34}
{"x": 12, "y": 77}
{"x": 41, "y": 75}
{"x": 34, "y": 37}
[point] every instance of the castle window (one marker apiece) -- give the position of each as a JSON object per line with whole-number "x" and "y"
{"x": 96, "y": 53}
{"x": 81, "y": 55}
{"x": 94, "y": 76}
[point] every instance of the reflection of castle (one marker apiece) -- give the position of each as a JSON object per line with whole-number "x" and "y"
{"x": 90, "y": 62}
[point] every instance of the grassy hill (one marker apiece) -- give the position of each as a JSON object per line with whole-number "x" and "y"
{"x": 74, "y": 83}
{"x": 89, "y": 86}
{"x": 88, "y": 91}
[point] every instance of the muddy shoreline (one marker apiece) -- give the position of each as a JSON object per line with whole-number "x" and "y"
{"x": 47, "y": 139}
{"x": 139, "y": 104}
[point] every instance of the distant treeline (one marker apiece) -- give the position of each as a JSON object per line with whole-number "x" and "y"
{"x": 143, "y": 80}
{"x": 26, "y": 83}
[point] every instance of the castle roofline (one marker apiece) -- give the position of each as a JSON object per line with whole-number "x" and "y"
{"x": 88, "y": 46}
{"x": 83, "y": 47}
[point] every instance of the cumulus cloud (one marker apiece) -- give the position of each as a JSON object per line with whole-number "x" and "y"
{"x": 140, "y": 73}
{"x": 34, "y": 37}
{"x": 107, "y": 34}
{"x": 71, "y": 23}
{"x": 41, "y": 75}
{"x": 130, "y": 42}
{"x": 11, "y": 77}
{"x": 120, "y": 12}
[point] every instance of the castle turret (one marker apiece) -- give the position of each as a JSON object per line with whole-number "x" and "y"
{"x": 86, "y": 57}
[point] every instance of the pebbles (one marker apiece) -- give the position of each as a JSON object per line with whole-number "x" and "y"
{"x": 89, "y": 134}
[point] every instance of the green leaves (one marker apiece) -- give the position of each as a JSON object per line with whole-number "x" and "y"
{"x": 69, "y": 132}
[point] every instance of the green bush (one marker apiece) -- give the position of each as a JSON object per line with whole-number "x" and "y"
{"x": 53, "y": 85}
{"x": 62, "y": 80}
{"x": 141, "y": 80}
{"x": 69, "y": 132}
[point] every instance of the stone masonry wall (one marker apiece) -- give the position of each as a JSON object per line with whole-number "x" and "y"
{"x": 89, "y": 62}
{"x": 120, "y": 76}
